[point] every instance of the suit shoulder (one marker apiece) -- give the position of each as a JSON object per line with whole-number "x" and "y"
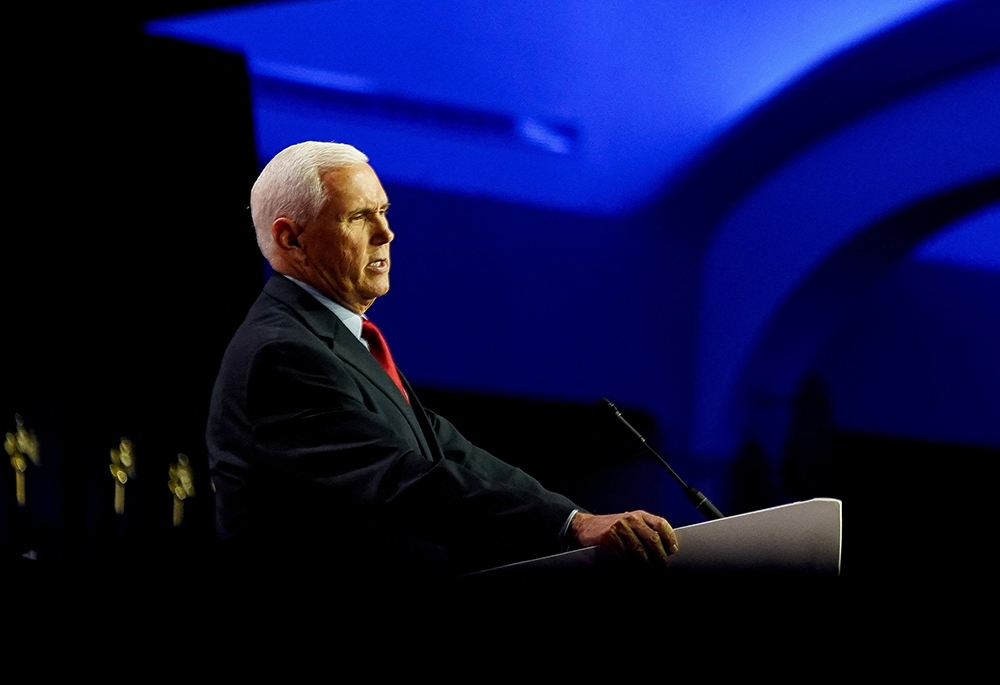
{"x": 269, "y": 322}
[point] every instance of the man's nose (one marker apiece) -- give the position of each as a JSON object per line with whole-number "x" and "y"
{"x": 381, "y": 234}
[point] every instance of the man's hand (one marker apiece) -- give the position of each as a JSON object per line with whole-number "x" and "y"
{"x": 634, "y": 534}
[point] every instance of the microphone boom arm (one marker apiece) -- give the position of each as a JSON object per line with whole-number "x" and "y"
{"x": 700, "y": 502}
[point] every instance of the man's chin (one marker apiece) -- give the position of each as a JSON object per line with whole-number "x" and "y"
{"x": 378, "y": 289}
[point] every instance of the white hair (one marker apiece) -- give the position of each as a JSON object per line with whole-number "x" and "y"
{"x": 291, "y": 186}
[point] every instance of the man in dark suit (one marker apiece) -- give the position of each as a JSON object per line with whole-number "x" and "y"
{"x": 319, "y": 449}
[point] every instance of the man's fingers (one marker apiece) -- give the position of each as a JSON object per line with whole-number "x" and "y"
{"x": 612, "y": 541}
{"x": 623, "y": 528}
{"x": 647, "y": 528}
{"x": 665, "y": 531}
{"x": 636, "y": 534}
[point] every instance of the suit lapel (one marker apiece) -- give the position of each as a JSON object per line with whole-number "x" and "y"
{"x": 352, "y": 351}
{"x": 421, "y": 417}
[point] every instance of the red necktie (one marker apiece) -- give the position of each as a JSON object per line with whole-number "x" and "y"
{"x": 379, "y": 350}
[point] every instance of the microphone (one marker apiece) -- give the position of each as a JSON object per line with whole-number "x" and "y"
{"x": 700, "y": 502}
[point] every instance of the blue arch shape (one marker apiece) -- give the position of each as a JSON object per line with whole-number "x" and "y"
{"x": 898, "y": 139}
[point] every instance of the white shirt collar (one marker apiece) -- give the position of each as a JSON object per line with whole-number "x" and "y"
{"x": 350, "y": 319}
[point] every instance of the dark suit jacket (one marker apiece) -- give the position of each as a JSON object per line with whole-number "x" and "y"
{"x": 316, "y": 456}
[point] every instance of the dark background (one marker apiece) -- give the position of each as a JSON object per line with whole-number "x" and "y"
{"x": 132, "y": 261}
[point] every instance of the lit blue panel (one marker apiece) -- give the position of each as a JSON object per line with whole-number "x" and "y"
{"x": 942, "y": 138}
{"x": 586, "y": 106}
{"x": 972, "y": 242}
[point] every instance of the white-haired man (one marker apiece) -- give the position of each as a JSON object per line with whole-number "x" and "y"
{"x": 320, "y": 450}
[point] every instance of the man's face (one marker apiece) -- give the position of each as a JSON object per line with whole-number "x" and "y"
{"x": 347, "y": 245}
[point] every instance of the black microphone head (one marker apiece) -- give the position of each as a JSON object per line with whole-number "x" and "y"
{"x": 605, "y": 403}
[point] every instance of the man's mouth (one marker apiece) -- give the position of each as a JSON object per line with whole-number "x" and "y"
{"x": 379, "y": 264}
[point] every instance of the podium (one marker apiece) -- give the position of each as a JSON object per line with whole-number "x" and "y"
{"x": 800, "y": 540}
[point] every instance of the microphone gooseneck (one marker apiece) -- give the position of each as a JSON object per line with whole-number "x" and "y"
{"x": 700, "y": 502}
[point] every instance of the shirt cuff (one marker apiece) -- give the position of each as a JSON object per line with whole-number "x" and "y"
{"x": 565, "y": 544}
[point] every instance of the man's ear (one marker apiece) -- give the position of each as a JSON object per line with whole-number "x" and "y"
{"x": 286, "y": 236}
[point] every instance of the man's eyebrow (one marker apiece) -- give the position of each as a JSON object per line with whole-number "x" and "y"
{"x": 368, "y": 210}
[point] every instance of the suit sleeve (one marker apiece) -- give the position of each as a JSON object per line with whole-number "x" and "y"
{"x": 314, "y": 427}
{"x": 458, "y": 449}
